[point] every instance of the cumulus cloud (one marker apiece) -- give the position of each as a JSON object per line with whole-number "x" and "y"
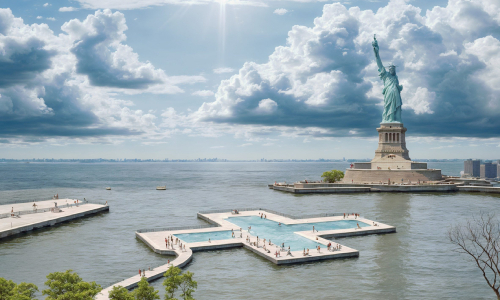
{"x": 266, "y": 106}
{"x": 108, "y": 62}
{"x": 51, "y": 18}
{"x": 280, "y": 11}
{"x": 39, "y": 17}
{"x": 204, "y": 93}
{"x": 223, "y": 70}
{"x": 326, "y": 78}
{"x": 46, "y": 4}
{"x": 51, "y": 88}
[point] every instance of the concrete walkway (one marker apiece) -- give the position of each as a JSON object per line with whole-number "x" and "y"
{"x": 182, "y": 259}
{"x": 32, "y": 220}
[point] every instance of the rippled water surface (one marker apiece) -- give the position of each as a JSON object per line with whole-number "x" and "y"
{"x": 417, "y": 262}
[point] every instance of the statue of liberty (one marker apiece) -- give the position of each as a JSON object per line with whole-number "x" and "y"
{"x": 392, "y": 89}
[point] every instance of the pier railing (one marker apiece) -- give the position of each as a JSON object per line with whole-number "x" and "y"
{"x": 24, "y": 201}
{"x": 218, "y": 211}
{"x": 176, "y": 228}
{"x": 41, "y": 200}
{"x": 320, "y": 215}
{"x": 48, "y": 209}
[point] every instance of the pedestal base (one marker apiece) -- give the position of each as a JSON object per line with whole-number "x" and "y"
{"x": 361, "y": 176}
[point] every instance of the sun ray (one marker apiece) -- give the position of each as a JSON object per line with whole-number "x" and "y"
{"x": 222, "y": 26}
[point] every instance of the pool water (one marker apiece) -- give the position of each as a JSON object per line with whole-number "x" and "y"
{"x": 267, "y": 229}
{"x": 204, "y": 236}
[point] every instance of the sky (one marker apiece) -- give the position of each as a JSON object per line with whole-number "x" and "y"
{"x": 249, "y": 79}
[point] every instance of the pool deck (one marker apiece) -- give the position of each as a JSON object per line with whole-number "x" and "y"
{"x": 155, "y": 239}
{"x": 26, "y": 219}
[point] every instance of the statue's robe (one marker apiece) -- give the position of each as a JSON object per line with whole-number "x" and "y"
{"x": 392, "y": 97}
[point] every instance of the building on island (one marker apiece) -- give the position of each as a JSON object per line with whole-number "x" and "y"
{"x": 488, "y": 170}
{"x": 472, "y": 167}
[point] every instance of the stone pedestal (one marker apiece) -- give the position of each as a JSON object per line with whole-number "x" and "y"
{"x": 391, "y": 141}
{"x": 392, "y": 153}
{"x": 392, "y": 161}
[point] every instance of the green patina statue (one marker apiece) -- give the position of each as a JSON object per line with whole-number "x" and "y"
{"x": 392, "y": 89}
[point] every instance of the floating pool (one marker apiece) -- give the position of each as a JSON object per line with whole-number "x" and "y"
{"x": 204, "y": 236}
{"x": 267, "y": 229}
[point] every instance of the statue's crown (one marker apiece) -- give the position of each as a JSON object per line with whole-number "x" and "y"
{"x": 391, "y": 66}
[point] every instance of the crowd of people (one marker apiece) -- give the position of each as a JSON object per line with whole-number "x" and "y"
{"x": 346, "y": 216}
{"x": 170, "y": 242}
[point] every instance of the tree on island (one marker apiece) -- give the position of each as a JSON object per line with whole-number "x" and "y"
{"x": 68, "y": 285}
{"x": 174, "y": 281}
{"x": 332, "y": 176}
{"x": 480, "y": 239}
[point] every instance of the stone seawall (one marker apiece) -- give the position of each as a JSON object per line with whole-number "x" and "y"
{"x": 377, "y": 176}
{"x": 480, "y": 189}
{"x": 340, "y": 188}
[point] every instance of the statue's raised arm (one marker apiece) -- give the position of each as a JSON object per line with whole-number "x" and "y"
{"x": 392, "y": 89}
{"x": 377, "y": 56}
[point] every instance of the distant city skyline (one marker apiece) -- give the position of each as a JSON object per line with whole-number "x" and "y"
{"x": 244, "y": 80}
{"x": 215, "y": 159}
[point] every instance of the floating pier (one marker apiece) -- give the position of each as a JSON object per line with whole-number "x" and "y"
{"x": 17, "y": 218}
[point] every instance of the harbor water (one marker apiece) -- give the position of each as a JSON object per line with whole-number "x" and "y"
{"x": 417, "y": 262}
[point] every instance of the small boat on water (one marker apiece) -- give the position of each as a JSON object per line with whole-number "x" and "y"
{"x": 161, "y": 188}
{"x": 108, "y": 188}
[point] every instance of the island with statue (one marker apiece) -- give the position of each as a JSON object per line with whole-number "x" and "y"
{"x": 392, "y": 161}
{"x": 391, "y": 170}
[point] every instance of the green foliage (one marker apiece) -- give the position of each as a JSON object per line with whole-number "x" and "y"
{"x": 69, "y": 286}
{"x": 6, "y": 288}
{"x": 24, "y": 291}
{"x": 120, "y": 293}
{"x": 188, "y": 285}
{"x": 145, "y": 291}
{"x": 332, "y": 176}
{"x": 174, "y": 281}
{"x": 9, "y": 290}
